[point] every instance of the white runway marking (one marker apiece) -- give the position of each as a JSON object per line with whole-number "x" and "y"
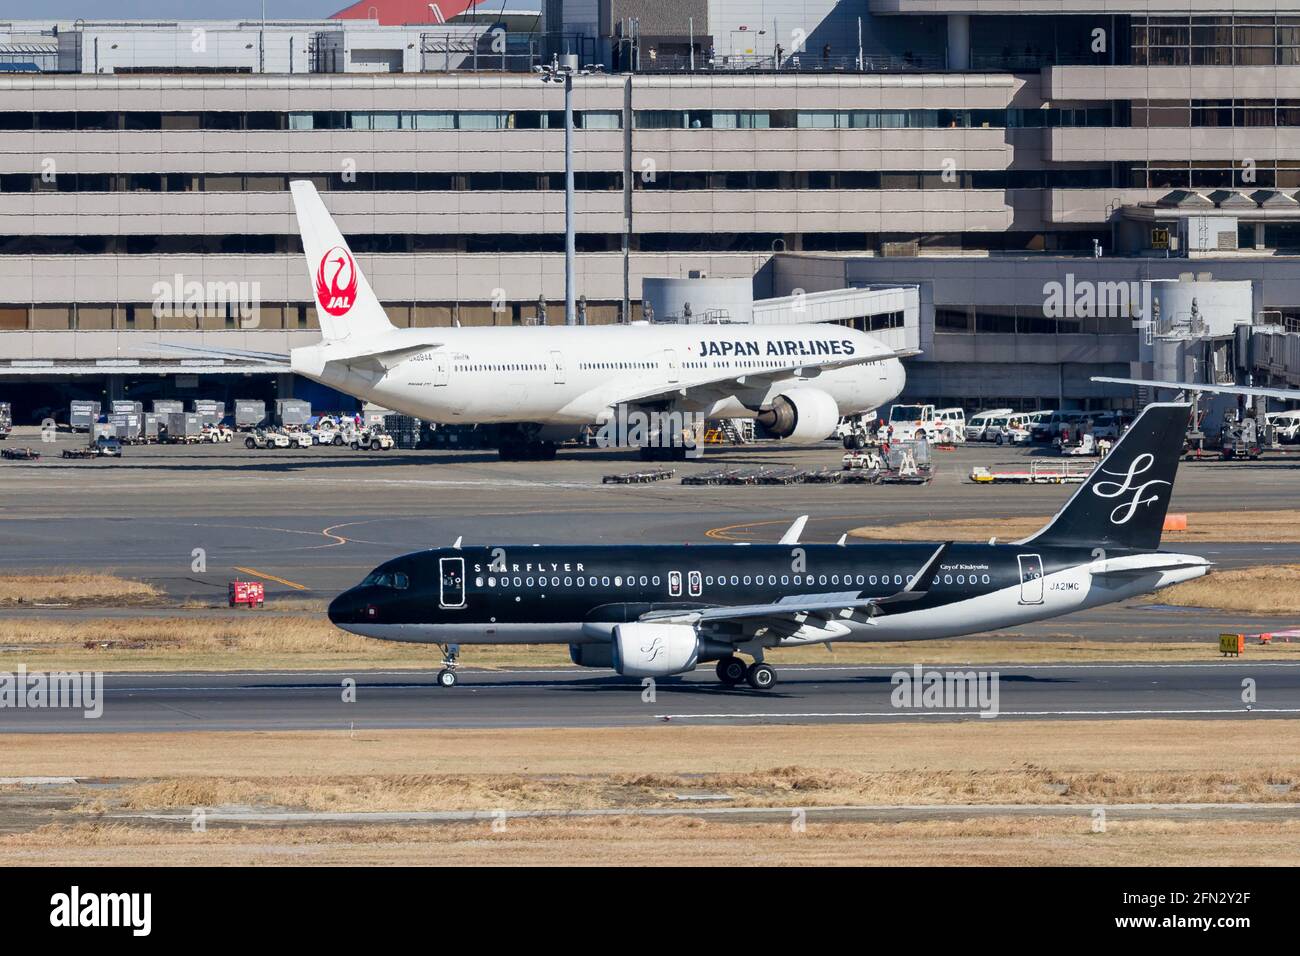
{"x": 783, "y": 812}
{"x": 605, "y": 672}
{"x": 1236, "y": 711}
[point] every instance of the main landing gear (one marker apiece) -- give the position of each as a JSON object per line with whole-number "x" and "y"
{"x": 450, "y": 659}
{"x": 732, "y": 671}
{"x": 519, "y": 450}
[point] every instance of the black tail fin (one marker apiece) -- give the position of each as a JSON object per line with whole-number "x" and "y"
{"x": 1123, "y": 503}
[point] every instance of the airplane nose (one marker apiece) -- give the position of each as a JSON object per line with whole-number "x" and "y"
{"x": 343, "y": 609}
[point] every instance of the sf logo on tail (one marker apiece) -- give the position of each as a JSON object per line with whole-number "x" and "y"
{"x": 336, "y": 281}
{"x": 1140, "y": 465}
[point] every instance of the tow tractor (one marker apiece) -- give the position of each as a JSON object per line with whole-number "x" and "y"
{"x": 373, "y": 440}
{"x": 264, "y": 439}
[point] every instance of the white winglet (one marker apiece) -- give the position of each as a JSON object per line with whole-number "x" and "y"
{"x": 843, "y": 538}
{"x": 792, "y": 533}
{"x": 456, "y": 545}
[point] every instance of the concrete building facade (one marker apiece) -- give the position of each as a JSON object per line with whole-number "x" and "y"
{"x": 976, "y": 151}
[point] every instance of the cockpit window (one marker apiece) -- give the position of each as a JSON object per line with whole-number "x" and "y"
{"x": 387, "y": 579}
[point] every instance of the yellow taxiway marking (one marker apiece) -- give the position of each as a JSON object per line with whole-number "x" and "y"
{"x": 272, "y": 577}
{"x": 725, "y": 532}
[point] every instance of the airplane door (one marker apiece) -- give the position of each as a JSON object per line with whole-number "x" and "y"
{"x": 557, "y": 363}
{"x": 451, "y": 592}
{"x": 441, "y": 368}
{"x": 695, "y": 583}
{"x": 1031, "y": 579}
{"x": 674, "y": 584}
{"x": 673, "y": 368}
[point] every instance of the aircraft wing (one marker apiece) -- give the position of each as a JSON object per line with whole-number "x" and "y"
{"x": 203, "y": 351}
{"x": 1288, "y": 394}
{"x": 798, "y": 608}
{"x": 727, "y": 385}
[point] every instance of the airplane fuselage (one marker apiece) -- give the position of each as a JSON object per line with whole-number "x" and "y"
{"x": 575, "y": 375}
{"x": 578, "y": 594}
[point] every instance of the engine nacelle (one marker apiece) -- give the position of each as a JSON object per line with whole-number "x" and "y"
{"x": 655, "y": 650}
{"x": 802, "y": 414}
{"x": 592, "y": 655}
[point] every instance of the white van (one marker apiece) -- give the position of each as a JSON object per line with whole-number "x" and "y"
{"x": 907, "y": 421}
{"x": 1009, "y": 429}
{"x": 950, "y": 424}
{"x": 1286, "y": 426}
{"x": 978, "y": 424}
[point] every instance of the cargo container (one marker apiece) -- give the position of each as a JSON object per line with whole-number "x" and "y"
{"x": 82, "y": 415}
{"x": 127, "y": 426}
{"x": 372, "y": 415}
{"x": 249, "y": 413}
{"x": 181, "y": 426}
{"x": 210, "y": 410}
{"x": 407, "y": 432}
{"x": 152, "y": 422}
{"x": 164, "y": 406}
{"x": 126, "y": 408}
{"x": 292, "y": 411}
{"x": 6, "y": 420}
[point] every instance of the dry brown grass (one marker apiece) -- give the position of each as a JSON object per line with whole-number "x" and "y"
{"x": 1205, "y": 747}
{"x": 791, "y": 786}
{"x": 1283, "y": 525}
{"x": 1086, "y": 763}
{"x": 75, "y": 587}
{"x": 673, "y": 841}
{"x": 256, "y": 641}
{"x": 1263, "y": 590}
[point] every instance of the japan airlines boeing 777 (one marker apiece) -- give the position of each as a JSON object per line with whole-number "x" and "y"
{"x": 797, "y": 381}
{"x": 658, "y": 610}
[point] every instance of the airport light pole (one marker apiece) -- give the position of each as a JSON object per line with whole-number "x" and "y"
{"x": 556, "y": 72}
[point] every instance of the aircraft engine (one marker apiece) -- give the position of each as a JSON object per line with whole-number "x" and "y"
{"x": 803, "y": 414}
{"x": 655, "y": 650}
{"x": 592, "y": 655}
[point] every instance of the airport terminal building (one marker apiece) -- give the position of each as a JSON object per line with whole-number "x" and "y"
{"x": 975, "y": 154}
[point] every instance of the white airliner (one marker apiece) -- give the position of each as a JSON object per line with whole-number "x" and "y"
{"x": 797, "y": 381}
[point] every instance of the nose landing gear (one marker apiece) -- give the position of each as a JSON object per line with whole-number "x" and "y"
{"x": 450, "y": 660}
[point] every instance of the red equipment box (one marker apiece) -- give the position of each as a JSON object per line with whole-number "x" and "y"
{"x": 248, "y": 593}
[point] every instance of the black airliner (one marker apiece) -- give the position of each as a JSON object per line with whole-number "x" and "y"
{"x": 657, "y": 610}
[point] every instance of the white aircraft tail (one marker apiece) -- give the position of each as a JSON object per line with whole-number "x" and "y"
{"x": 345, "y": 304}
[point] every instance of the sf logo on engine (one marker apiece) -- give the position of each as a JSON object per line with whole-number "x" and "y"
{"x": 336, "y": 281}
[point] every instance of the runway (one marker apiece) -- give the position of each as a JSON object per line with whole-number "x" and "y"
{"x": 312, "y": 522}
{"x": 573, "y": 698}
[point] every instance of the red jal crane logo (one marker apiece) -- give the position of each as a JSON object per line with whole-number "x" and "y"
{"x": 337, "y": 294}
